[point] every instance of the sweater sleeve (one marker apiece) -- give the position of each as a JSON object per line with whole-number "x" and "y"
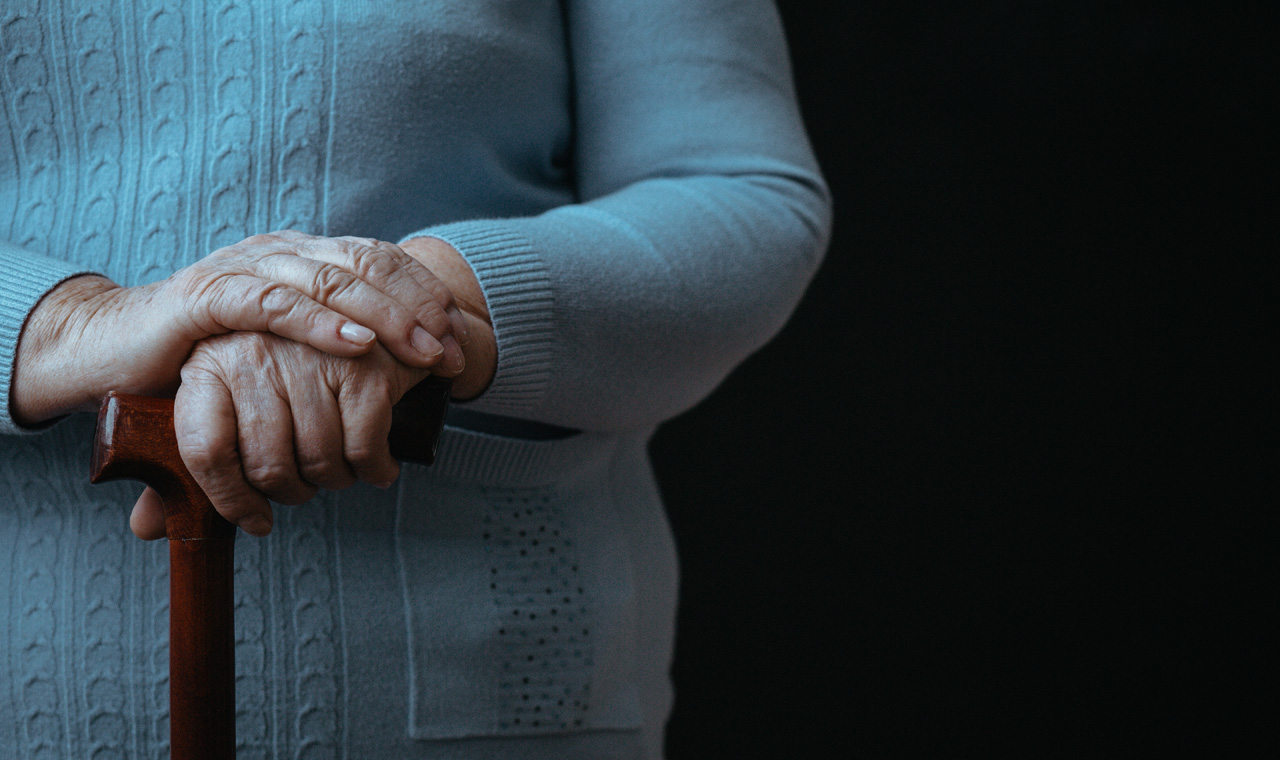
{"x": 701, "y": 218}
{"x": 25, "y": 278}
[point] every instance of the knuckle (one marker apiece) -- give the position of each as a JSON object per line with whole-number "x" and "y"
{"x": 274, "y": 296}
{"x": 331, "y": 282}
{"x": 368, "y": 450}
{"x": 213, "y": 298}
{"x": 205, "y": 453}
{"x": 270, "y": 477}
{"x": 441, "y": 293}
{"x": 326, "y": 472}
{"x": 362, "y": 453}
{"x": 280, "y": 303}
{"x": 376, "y": 263}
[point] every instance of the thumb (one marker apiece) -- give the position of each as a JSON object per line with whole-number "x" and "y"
{"x": 147, "y": 519}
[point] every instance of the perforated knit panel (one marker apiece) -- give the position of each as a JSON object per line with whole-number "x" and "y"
{"x": 545, "y": 650}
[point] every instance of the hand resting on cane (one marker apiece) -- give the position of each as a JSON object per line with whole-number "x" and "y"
{"x": 90, "y": 335}
{"x": 260, "y": 418}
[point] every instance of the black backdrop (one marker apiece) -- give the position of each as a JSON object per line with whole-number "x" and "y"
{"x": 984, "y": 491}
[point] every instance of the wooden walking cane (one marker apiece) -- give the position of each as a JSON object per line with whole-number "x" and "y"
{"x": 135, "y": 441}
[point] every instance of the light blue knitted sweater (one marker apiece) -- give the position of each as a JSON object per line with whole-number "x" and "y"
{"x": 631, "y": 182}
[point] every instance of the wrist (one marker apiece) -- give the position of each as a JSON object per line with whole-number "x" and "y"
{"x": 50, "y": 377}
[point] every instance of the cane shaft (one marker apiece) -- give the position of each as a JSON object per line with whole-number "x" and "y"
{"x": 202, "y": 649}
{"x": 136, "y": 441}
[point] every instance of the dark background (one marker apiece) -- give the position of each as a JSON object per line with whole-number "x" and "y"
{"x": 996, "y": 486}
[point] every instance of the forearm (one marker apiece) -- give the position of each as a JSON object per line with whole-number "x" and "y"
{"x": 26, "y": 278}
{"x": 63, "y": 365}
{"x": 49, "y": 380}
{"x": 652, "y": 295}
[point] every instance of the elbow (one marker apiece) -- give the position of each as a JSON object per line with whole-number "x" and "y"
{"x": 803, "y": 212}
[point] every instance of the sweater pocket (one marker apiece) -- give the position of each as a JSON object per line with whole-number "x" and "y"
{"x": 521, "y": 610}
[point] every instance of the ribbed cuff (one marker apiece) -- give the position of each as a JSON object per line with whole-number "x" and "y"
{"x": 518, "y": 290}
{"x": 25, "y": 278}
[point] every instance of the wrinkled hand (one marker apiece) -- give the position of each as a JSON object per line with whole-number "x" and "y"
{"x": 312, "y": 289}
{"x": 259, "y": 417}
{"x": 338, "y": 295}
{"x": 262, "y": 418}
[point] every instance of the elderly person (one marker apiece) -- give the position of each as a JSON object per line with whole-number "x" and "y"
{"x": 602, "y": 207}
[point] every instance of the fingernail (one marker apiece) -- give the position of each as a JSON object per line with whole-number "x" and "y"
{"x": 455, "y": 361}
{"x": 358, "y": 334}
{"x": 425, "y": 344}
{"x": 256, "y": 525}
{"x": 460, "y": 327}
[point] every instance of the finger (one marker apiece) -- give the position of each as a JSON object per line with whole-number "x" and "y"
{"x": 459, "y": 325}
{"x": 483, "y": 353}
{"x": 454, "y": 360}
{"x": 377, "y": 261}
{"x": 228, "y": 301}
{"x": 265, "y": 433}
{"x": 204, "y": 419}
{"x": 446, "y": 264}
{"x": 412, "y": 335}
{"x": 147, "y": 519}
{"x": 317, "y": 437}
{"x": 366, "y": 424}
{"x": 388, "y": 268}
{"x": 431, "y": 281}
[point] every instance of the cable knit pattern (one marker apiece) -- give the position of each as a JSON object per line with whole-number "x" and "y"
{"x": 39, "y": 620}
{"x": 313, "y": 634}
{"x": 303, "y": 121}
{"x": 165, "y": 65}
{"x": 155, "y": 646}
{"x": 633, "y": 189}
{"x": 29, "y": 76}
{"x": 233, "y": 73}
{"x": 95, "y": 77}
{"x": 255, "y": 622}
{"x": 104, "y": 651}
